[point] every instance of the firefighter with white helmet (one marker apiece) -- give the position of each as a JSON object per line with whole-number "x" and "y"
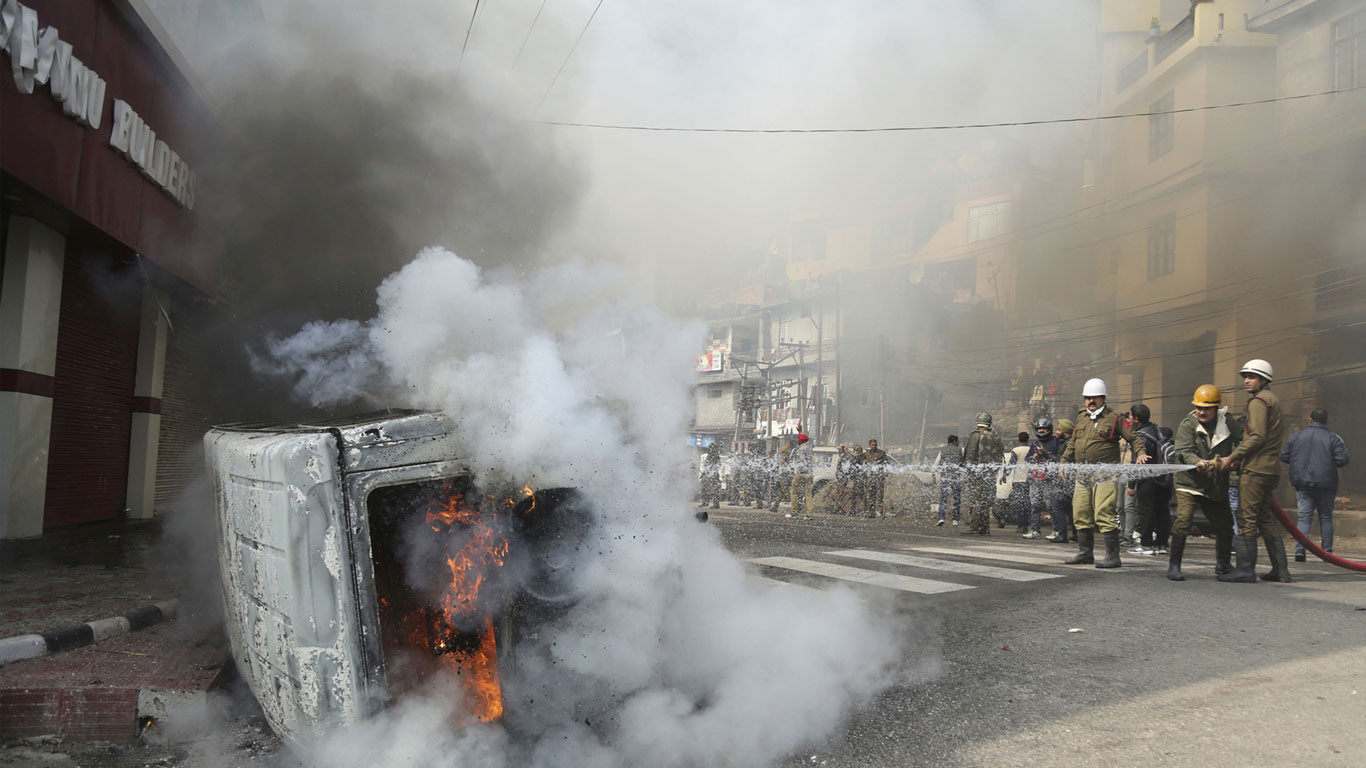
{"x": 1095, "y": 440}
{"x": 1257, "y": 458}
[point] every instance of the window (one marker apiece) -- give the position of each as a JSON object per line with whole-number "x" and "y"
{"x": 808, "y": 241}
{"x": 1162, "y": 246}
{"x": 715, "y": 392}
{"x": 988, "y": 221}
{"x": 1161, "y": 128}
{"x": 1349, "y": 52}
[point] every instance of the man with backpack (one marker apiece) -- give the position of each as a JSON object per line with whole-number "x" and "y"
{"x": 1151, "y": 495}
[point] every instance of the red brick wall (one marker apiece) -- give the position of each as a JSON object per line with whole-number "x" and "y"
{"x": 88, "y": 714}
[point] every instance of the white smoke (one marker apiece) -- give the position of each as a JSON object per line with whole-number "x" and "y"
{"x": 673, "y": 656}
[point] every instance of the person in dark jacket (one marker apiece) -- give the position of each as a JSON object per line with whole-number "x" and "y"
{"x": 1152, "y": 494}
{"x": 1315, "y": 454}
{"x": 1044, "y": 449}
{"x": 950, "y": 479}
{"x": 1062, "y": 487}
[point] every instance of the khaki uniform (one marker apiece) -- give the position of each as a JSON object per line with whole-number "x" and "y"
{"x": 1197, "y": 490}
{"x": 983, "y": 446}
{"x": 875, "y": 462}
{"x": 1259, "y": 452}
{"x": 1096, "y": 441}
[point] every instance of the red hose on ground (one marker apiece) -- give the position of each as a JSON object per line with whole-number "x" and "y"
{"x": 1320, "y": 552}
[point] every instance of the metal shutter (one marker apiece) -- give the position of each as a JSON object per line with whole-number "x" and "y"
{"x": 92, "y": 400}
{"x": 184, "y": 412}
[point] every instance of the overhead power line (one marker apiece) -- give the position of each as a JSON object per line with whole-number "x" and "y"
{"x": 952, "y": 127}
{"x": 569, "y": 55}
{"x": 530, "y": 29}
{"x": 473, "y": 15}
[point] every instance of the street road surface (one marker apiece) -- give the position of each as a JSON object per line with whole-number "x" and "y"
{"x": 1161, "y": 673}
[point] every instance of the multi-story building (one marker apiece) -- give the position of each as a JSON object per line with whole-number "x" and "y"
{"x": 871, "y": 330}
{"x": 1225, "y": 230}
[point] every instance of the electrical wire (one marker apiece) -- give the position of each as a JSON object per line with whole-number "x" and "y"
{"x": 972, "y": 249}
{"x": 1044, "y": 341}
{"x": 526, "y": 39}
{"x": 473, "y": 15}
{"x": 951, "y": 127}
{"x": 568, "y": 56}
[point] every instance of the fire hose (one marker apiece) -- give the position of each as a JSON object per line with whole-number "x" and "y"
{"x": 1320, "y": 552}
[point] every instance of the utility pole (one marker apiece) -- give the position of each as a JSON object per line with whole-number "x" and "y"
{"x": 740, "y": 408}
{"x": 820, "y": 372}
{"x": 882, "y": 390}
{"x": 924, "y": 419}
{"x": 839, "y": 382}
{"x": 770, "y": 391}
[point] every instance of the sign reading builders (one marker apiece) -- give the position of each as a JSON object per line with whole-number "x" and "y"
{"x": 41, "y": 57}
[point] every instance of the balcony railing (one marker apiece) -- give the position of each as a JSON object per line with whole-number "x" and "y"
{"x": 1133, "y": 71}
{"x": 1175, "y": 38}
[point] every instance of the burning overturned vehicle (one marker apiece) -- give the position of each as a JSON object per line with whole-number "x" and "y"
{"x": 360, "y": 560}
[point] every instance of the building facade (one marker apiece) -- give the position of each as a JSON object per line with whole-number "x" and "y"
{"x": 106, "y": 261}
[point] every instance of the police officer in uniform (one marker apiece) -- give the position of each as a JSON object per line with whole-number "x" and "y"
{"x": 711, "y": 476}
{"x": 1095, "y": 440}
{"x": 1204, "y": 436}
{"x": 875, "y": 461}
{"x": 1258, "y": 455}
{"x": 982, "y": 454}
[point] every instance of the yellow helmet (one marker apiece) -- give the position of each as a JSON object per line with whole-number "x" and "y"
{"x": 1207, "y": 396}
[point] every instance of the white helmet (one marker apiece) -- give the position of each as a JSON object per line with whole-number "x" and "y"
{"x": 1260, "y": 367}
{"x": 1094, "y": 388}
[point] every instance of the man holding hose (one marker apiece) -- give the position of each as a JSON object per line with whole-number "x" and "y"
{"x": 1206, "y": 435}
{"x": 1259, "y": 472}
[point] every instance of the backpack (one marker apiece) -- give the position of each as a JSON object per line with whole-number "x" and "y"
{"x": 1168, "y": 452}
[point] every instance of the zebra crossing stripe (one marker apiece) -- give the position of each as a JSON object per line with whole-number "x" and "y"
{"x": 780, "y": 584}
{"x": 987, "y": 555}
{"x": 951, "y": 566}
{"x": 1142, "y": 561}
{"x": 862, "y": 575}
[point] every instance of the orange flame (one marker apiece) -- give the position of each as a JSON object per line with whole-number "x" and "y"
{"x": 475, "y": 664}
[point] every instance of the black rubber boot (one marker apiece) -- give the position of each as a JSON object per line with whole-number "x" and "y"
{"x": 1174, "y": 554}
{"x": 1275, "y": 552}
{"x": 1223, "y": 553}
{"x": 1086, "y": 543}
{"x": 1247, "y": 562}
{"x": 1111, "y": 559}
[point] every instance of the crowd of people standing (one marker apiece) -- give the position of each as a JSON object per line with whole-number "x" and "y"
{"x": 1235, "y": 470}
{"x": 1235, "y": 467}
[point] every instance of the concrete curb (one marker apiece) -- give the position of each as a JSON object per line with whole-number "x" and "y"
{"x": 69, "y": 638}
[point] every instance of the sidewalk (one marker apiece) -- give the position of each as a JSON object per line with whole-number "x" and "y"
{"x": 151, "y": 664}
